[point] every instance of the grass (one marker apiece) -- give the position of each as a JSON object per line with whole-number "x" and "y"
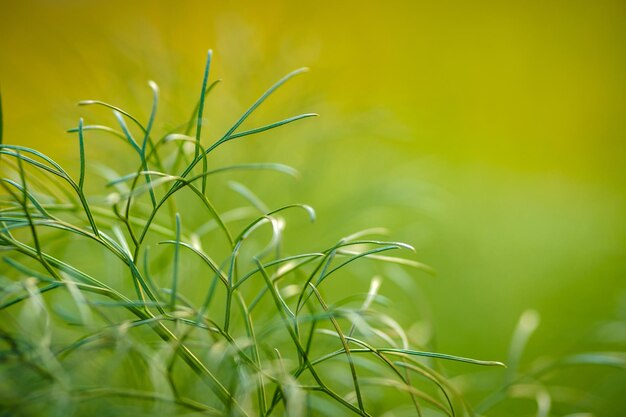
{"x": 147, "y": 299}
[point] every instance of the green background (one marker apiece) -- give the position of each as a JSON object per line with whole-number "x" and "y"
{"x": 489, "y": 135}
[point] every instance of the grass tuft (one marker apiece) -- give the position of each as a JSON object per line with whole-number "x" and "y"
{"x": 194, "y": 308}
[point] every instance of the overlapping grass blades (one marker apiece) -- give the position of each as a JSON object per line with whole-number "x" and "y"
{"x": 246, "y": 360}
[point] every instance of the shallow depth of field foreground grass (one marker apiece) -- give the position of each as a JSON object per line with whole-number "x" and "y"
{"x": 159, "y": 283}
{"x": 184, "y": 308}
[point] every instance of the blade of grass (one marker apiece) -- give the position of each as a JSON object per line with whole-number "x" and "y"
{"x": 81, "y": 144}
{"x": 205, "y": 80}
{"x": 175, "y": 264}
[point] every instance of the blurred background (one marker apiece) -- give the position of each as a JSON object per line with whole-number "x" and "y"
{"x": 489, "y": 135}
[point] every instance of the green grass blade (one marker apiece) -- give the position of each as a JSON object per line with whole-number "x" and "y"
{"x": 155, "y": 101}
{"x": 261, "y": 99}
{"x": 249, "y": 196}
{"x": 205, "y": 80}
{"x": 346, "y": 347}
{"x": 205, "y": 258}
{"x": 127, "y": 135}
{"x": 100, "y": 128}
{"x": 110, "y": 106}
{"x": 175, "y": 264}
{"x": 262, "y": 128}
{"x": 81, "y": 144}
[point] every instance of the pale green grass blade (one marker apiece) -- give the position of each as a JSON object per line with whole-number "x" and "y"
{"x": 126, "y": 132}
{"x": 100, "y": 128}
{"x": 110, "y": 106}
{"x": 249, "y": 195}
{"x": 526, "y": 326}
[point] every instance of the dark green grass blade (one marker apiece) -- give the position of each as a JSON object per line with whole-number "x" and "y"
{"x": 268, "y": 127}
{"x": 261, "y": 99}
{"x": 81, "y": 145}
{"x": 205, "y": 80}
{"x": 194, "y": 114}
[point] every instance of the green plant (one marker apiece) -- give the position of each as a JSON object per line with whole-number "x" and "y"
{"x": 125, "y": 302}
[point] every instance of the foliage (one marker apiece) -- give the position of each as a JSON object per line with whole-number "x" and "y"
{"x": 153, "y": 300}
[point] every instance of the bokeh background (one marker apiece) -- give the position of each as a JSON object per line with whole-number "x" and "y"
{"x": 489, "y": 135}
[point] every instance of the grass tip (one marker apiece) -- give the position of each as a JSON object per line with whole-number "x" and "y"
{"x": 405, "y": 246}
{"x": 311, "y": 211}
{"x": 153, "y": 85}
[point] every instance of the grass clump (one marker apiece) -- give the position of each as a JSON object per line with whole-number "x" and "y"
{"x": 148, "y": 300}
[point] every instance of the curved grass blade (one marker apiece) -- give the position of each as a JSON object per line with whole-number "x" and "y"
{"x": 58, "y": 171}
{"x": 114, "y": 108}
{"x": 100, "y": 128}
